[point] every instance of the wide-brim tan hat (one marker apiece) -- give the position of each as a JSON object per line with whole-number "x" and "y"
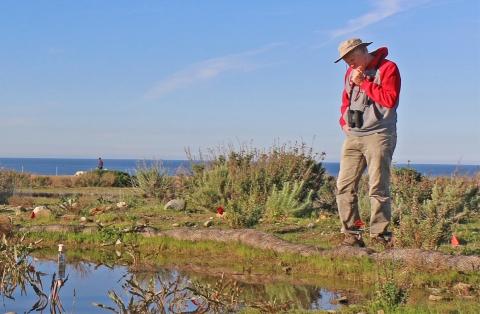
{"x": 348, "y": 45}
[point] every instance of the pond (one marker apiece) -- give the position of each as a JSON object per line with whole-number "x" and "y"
{"x": 86, "y": 282}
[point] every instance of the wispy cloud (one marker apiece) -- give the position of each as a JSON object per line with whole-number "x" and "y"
{"x": 381, "y": 10}
{"x": 207, "y": 70}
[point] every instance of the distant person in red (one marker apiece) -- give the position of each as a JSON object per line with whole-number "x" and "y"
{"x": 100, "y": 164}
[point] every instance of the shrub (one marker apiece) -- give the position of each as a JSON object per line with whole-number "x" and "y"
{"x": 89, "y": 179}
{"x": 41, "y": 181}
{"x": 122, "y": 179}
{"x": 7, "y": 185}
{"x": 245, "y": 179}
{"x": 286, "y": 203}
{"x": 427, "y": 219}
{"x": 17, "y": 179}
{"x": 325, "y": 199}
{"x": 154, "y": 181}
{"x": 24, "y": 201}
{"x": 408, "y": 187}
{"x": 71, "y": 204}
{"x": 104, "y": 178}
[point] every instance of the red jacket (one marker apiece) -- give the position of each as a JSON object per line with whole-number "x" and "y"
{"x": 384, "y": 91}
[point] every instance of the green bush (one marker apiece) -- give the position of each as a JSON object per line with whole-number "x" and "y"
{"x": 18, "y": 179}
{"x": 41, "y": 181}
{"x": 122, "y": 179}
{"x": 7, "y": 185}
{"x": 286, "y": 203}
{"x": 242, "y": 181}
{"x": 325, "y": 199}
{"x": 104, "y": 178}
{"x": 153, "y": 181}
{"x": 428, "y": 223}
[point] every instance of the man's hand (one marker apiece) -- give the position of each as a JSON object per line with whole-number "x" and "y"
{"x": 346, "y": 128}
{"x": 358, "y": 76}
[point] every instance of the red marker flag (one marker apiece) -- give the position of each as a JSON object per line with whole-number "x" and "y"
{"x": 359, "y": 223}
{"x": 220, "y": 210}
{"x": 455, "y": 241}
{"x": 32, "y": 215}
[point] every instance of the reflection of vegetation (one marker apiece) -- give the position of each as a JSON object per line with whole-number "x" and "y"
{"x": 16, "y": 271}
{"x": 173, "y": 297}
{"x": 14, "y": 267}
{"x": 273, "y": 306}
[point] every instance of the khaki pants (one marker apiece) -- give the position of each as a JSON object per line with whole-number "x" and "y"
{"x": 375, "y": 153}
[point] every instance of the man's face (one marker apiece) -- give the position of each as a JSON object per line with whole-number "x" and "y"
{"x": 356, "y": 58}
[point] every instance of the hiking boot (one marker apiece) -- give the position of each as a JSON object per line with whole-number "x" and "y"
{"x": 384, "y": 240}
{"x": 353, "y": 240}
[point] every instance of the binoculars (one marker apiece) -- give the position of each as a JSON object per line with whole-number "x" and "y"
{"x": 355, "y": 118}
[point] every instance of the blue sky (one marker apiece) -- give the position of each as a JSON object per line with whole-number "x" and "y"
{"x": 147, "y": 79}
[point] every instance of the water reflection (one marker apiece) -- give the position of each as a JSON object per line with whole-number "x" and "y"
{"x": 87, "y": 282}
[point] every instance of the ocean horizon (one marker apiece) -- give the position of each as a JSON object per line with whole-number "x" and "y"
{"x": 69, "y": 166}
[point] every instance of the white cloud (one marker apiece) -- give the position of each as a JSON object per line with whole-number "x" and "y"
{"x": 381, "y": 10}
{"x": 206, "y": 70}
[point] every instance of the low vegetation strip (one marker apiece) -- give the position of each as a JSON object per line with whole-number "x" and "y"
{"x": 265, "y": 241}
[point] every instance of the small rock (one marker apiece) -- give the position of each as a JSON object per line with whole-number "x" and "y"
{"x": 223, "y": 216}
{"x": 83, "y": 219}
{"x": 176, "y": 204}
{"x": 96, "y": 211}
{"x": 207, "y": 223}
{"x": 69, "y": 217}
{"x": 311, "y": 225}
{"x": 175, "y": 225}
{"x": 433, "y": 297}
{"x": 19, "y": 209}
{"x": 287, "y": 270}
{"x": 122, "y": 205}
{"x": 119, "y": 241}
{"x": 462, "y": 289}
{"x": 41, "y": 211}
{"x": 342, "y": 299}
{"x": 39, "y": 208}
{"x": 436, "y": 291}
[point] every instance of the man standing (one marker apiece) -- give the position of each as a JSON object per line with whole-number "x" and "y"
{"x": 368, "y": 118}
{"x": 100, "y": 164}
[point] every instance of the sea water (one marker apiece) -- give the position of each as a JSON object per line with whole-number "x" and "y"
{"x": 69, "y": 166}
